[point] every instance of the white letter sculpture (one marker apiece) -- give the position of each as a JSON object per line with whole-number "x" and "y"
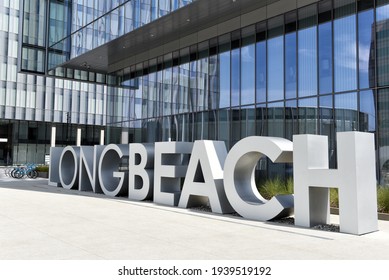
{"x": 169, "y": 168}
{"x": 239, "y": 177}
{"x": 113, "y": 182}
{"x": 140, "y": 173}
{"x": 68, "y": 167}
{"x": 204, "y": 178}
{"x": 55, "y": 156}
{"x": 89, "y": 157}
{"x": 355, "y": 178}
{"x": 87, "y": 175}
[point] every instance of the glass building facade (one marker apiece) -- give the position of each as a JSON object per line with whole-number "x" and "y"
{"x": 30, "y": 104}
{"x": 320, "y": 68}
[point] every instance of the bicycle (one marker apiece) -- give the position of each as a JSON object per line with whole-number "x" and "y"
{"x": 23, "y": 171}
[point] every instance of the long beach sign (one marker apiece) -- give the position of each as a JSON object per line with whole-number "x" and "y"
{"x": 185, "y": 174}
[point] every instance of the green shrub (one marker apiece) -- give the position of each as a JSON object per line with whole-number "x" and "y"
{"x": 42, "y": 168}
{"x": 272, "y": 187}
{"x": 334, "y": 198}
{"x": 383, "y": 199}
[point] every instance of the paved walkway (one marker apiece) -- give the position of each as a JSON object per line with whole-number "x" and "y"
{"x": 38, "y": 221}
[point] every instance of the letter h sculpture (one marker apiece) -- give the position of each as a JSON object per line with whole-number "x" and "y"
{"x": 355, "y": 179}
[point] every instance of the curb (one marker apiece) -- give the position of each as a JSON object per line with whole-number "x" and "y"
{"x": 381, "y": 216}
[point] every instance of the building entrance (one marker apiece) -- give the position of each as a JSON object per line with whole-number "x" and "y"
{"x": 5, "y": 144}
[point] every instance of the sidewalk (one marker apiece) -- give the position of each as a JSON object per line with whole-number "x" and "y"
{"x": 38, "y": 221}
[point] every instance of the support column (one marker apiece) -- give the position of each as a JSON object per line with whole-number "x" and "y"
{"x": 124, "y": 139}
{"x": 78, "y": 143}
{"x": 102, "y": 136}
{"x": 53, "y": 135}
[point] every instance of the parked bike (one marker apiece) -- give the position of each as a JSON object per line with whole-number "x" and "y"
{"x": 20, "y": 172}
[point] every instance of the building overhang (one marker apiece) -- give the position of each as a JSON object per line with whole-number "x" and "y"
{"x": 197, "y": 16}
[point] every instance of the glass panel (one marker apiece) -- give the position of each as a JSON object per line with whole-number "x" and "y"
{"x": 307, "y": 52}
{"x": 183, "y": 127}
{"x": 367, "y": 114}
{"x": 114, "y": 24}
{"x": 128, "y": 16}
{"x": 225, "y": 78}
{"x": 193, "y": 85}
{"x": 235, "y": 125}
{"x": 145, "y": 94}
{"x": 382, "y": 2}
{"x": 164, "y": 7}
{"x": 275, "y": 68}
{"x": 175, "y": 5}
{"x": 214, "y": 82}
{"x": 224, "y": 127}
{"x": 184, "y": 84}
{"x": 260, "y": 71}
{"x": 34, "y": 23}
{"x": 145, "y": 11}
{"x": 365, "y": 4}
{"x": 137, "y": 12}
{"x": 248, "y": 74}
{"x": 291, "y": 117}
{"x": 346, "y": 114}
{"x": 290, "y": 65}
{"x": 212, "y": 125}
{"x": 307, "y": 111}
{"x": 383, "y": 135}
{"x": 261, "y": 120}
{"x": 154, "y": 9}
{"x": 235, "y": 77}
{"x": 275, "y": 119}
{"x": 275, "y": 59}
{"x": 326, "y": 116}
{"x": 382, "y": 35}
{"x": 325, "y": 57}
{"x": 344, "y": 8}
{"x": 203, "y": 76}
{"x": 345, "y": 57}
{"x": 247, "y": 121}
{"x": 365, "y": 51}
{"x": 325, "y": 11}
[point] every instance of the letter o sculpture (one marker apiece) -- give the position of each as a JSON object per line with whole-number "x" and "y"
{"x": 68, "y": 167}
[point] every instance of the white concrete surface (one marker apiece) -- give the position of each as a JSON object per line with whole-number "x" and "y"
{"x": 38, "y": 221}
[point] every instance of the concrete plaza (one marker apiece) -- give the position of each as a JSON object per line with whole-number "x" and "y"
{"x": 42, "y": 222}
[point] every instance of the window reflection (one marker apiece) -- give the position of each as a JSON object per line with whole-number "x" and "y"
{"x": 382, "y": 35}
{"x": 261, "y": 71}
{"x": 235, "y": 77}
{"x": 291, "y": 116}
{"x": 275, "y": 65}
{"x": 345, "y": 54}
{"x": 290, "y": 65}
{"x": 365, "y": 51}
{"x": 367, "y": 114}
{"x": 307, "y": 62}
{"x": 307, "y": 114}
{"x": 145, "y": 11}
{"x": 275, "y": 119}
{"x": 383, "y": 134}
{"x": 247, "y": 121}
{"x": 346, "y": 114}
{"x": 325, "y": 57}
{"x": 248, "y": 75}
{"x": 275, "y": 59}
